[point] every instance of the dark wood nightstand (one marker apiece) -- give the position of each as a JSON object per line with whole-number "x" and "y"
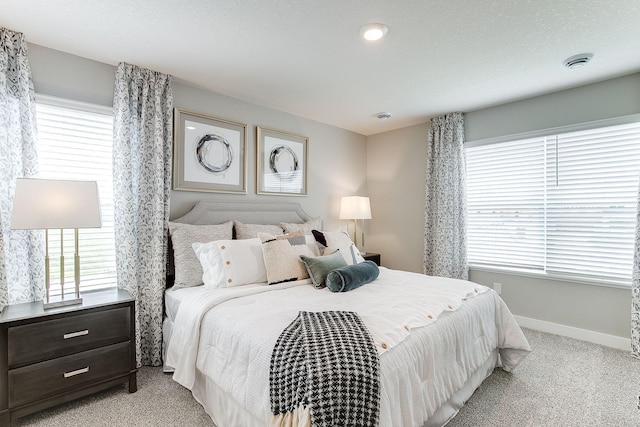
{"x": 371, "y": 256}
{"x": 49, "y": 357}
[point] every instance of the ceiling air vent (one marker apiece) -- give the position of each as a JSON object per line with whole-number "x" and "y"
{"x": 577, "y": 61}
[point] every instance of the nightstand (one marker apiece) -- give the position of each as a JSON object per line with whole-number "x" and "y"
{"x": 49, "y": 357}
{"x": 371, "y": 256}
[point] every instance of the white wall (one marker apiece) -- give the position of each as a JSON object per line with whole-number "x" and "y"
{"x": 396, "y": 173}
{"x": 337, "y": 164}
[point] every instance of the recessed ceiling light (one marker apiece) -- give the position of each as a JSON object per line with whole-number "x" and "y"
{"x": 191, "y": 127}
{"x": 577, "y": 61}
{"x": 384, "y": 115}
{"x": 373, "y": 32}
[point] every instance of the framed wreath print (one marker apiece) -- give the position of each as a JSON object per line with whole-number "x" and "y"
{"x": 281, "y": 162}
{"x": 209, "y": 153}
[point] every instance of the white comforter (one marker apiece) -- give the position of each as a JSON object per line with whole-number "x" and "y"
{"x": 228, "y": 334}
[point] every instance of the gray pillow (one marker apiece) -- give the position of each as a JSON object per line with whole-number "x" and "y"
{"x": 312, "y": 224}
{"x": 188, "y": 271}
{"x": 319, "y": 266}
{"x": 250, "y": 231}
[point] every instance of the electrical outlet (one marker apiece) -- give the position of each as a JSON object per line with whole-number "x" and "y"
{"x": 498, "y": 288}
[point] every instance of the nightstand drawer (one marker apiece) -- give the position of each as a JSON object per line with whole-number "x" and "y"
{"x": 41, "y": 341}
{"x": 40, "y": 380}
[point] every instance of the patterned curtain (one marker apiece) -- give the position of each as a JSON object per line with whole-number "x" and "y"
{"x": 445, "y": 228}
{"x": 21, "y": 251}
{"x": 142, "y": 150}
{"x": 635, "y": 291}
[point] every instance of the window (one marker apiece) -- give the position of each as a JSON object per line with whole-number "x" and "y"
{"x": 563, "y": 205}
{"x": 75, "y": 142}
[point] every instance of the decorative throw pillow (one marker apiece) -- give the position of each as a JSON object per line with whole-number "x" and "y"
{"x": 319, "y": 266}
{"x": 188, "y": 271}
{"x": 352, "y": 276}
{"x": 307, "y": 227}
{"x": 282, "y": 256}
{"x": 250, "y": 231}
{"x": 227, "y": 263}
{"x": 330, "y": 241}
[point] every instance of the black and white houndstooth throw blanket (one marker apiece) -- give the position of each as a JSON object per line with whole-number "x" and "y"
{"x": 325, "y": 372}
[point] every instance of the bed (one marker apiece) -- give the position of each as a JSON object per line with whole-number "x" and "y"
{"x": 437, "y": 339}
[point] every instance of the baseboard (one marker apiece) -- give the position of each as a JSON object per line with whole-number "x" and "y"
{"x": 577, "y": 333}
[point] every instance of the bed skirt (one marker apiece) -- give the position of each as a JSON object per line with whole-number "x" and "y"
{"x": 167, "y": 327}
{"x": 225, "y": 411}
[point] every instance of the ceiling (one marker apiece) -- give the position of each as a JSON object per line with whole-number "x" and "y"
{"x": 306, "y": 56}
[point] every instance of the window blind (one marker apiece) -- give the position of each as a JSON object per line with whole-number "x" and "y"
{"x": 77, "y": 144}
{"x": 564, "y": 204}
{"x": 505, "y": 204}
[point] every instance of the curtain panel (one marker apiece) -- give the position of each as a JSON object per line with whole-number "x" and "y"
{"x": 635, "y": 290}
{"x": 21, "y": 251}
{"x": 445, "y": 229}
{"x": 143, "y": 105}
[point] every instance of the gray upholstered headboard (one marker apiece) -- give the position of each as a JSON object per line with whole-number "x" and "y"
{"x": 247, "y": 212}
{"x": 257, "y": 212}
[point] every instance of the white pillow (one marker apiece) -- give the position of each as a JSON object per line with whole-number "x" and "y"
{"x": 187, "y": 268}
{"x": 227, "y": 263}
{"x": 330, "y": 241}
{"x": 282, "y": 256}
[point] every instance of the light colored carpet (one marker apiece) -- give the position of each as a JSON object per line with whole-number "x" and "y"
{"x": 563, "y": 382}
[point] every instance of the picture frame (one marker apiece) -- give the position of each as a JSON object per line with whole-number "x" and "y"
{"x": 282, "y": 160}
{"x": 209, "y": 153}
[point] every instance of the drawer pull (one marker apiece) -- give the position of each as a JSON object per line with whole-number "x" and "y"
{"x": 76, "y": 372}
{"x": 76, "y": 334}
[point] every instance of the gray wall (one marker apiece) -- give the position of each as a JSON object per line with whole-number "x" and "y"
{"x": 389, "y": 167}
{"x": 396, "y": 181}
{"x": 396, "y": 174}
{"x": 337, "y": 164}
{"x": 611, "y": 98}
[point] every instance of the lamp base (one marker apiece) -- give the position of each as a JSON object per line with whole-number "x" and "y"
{"x": 61, "y": 303}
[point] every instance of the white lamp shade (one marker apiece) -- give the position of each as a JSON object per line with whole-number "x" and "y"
{"x": 355, "y": 207}
{"x": 50, "y": 203}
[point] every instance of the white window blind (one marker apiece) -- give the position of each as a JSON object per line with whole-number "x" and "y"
{"x": 505, "y": 204}
{"x": 76, "y": 143}
{"x": 563, "y": 205}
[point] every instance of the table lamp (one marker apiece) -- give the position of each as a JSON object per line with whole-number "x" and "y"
{"x": 56, "y": 204}
{"x": 355, "y": 208}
